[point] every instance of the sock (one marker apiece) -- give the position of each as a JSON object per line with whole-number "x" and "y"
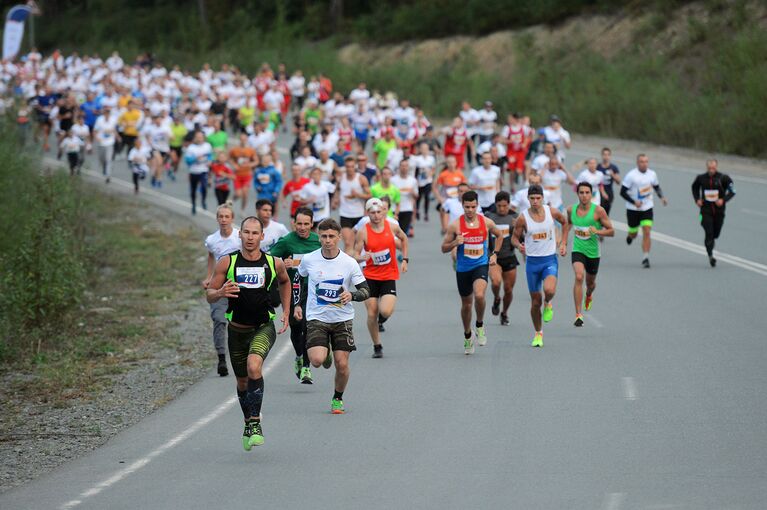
{"x": 222, "y": 357}
{"x": 338, "y": 395}
{"x": 467, "y": 335}
{"x": 254, "y": 397}
{"x": 382, "y": 319}
{"x": 479, "y": 324}
{"x": 646, "y": 255}
{"x": 377, "y": 347}
{"x": 243, "y": 405}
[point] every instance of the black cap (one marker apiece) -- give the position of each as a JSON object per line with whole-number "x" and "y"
{"x": 535, "y": 189}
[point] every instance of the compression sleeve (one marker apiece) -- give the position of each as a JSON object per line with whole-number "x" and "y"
{"x": 696, "y": 189}
{"x": 658, "y": 190}
{"x": 298, "y": 282}
{"x": 362, "y": 292}
{"x": 625, "y": 194}
{"x": 729, "y": 189}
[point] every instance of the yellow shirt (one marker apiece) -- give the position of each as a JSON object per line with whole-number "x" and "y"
{"x": 129, "y": 122}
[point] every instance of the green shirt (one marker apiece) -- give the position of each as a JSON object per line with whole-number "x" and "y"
{"x": 382, "y": 148}
{"x": 584, "y": 241}
{"x": 378, "y": 191}
{"x": 291, "y": 245}
{"x": 179, "y": 131}
{"x": 218, "y": 140}
{"x": 247, "y": 114}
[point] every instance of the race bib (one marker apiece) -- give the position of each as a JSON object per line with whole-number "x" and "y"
{"x": 645, "y": 192}
{"x": 250, "y": 277}
{"x": 504, "y": 230}
{"x": 711, "y": 195}
{"x": 242, "y": 161}
{"x": 582, "y": 232}
{"x": 264, "y": 178}
{"x": 540, "y": 236}
{"x": 473, "y": 251}
{"x": 551, "y": 188}
{"x": 451, "y": 192}
{"x": 381, "y": 258}
{"x": 297, "y": 259}
{"x": 329, "y": 292}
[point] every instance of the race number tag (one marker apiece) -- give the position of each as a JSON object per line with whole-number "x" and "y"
{"x": 540, "y": 236}
{"x": 504, "y": 230}
{"x": 250, "y": 277}
{"x": 242, "y": 161}
{"x": 329, "y": 292}
{"x": 645, "y": 192}
{"x": 381, "y": 258}
{"x": 473, "y": 251}
{"x": 297, "y": 259}
{"x": 451, "y": 192}
{"x": 582, "y": 233}
{"x": 264, "y": 178}
{"x": 711, "y": 195}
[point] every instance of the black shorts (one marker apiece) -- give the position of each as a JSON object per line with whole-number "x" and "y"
{"x": 380, "y": 288}
{"x": 508, "y": 263}
{"x": 637, "y": 218}
{"x": 591, "y": 265}
{"x": 338, "y": 335}
{"x": 465, "y": 279}
{"x": 244, "y": 341}
{"x": 349, "y": 222}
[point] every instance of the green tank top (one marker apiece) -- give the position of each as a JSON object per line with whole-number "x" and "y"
{"x": 584, "y": 241}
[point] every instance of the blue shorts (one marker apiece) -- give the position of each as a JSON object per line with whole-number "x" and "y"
{"x": 538, "y": 269}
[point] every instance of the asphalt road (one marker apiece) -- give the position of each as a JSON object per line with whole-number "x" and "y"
{"x": 659, "y": 402}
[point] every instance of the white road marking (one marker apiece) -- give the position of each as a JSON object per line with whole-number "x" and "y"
{"x": 613, "y": 501}
{"x": 629, "y": 388}
{"x": 742, "y": 263}
{"x": 593, "y": 319}
{"x": 756, "y": 213}
{"x": 194, "y": 428}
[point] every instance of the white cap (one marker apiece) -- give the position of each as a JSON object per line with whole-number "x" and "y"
{"x": 374, "y": 203}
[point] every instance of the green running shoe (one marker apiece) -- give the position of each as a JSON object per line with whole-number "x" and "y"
{"x": 537, "y": 340}
{"x": 578, "y": 320}
{"x": 246, "y": 436}
{"x": 468, "y": 345}
{"x": 548, "y": 312}
{"x": 337, "y": 406}
{"x": 298, "y": 364}
{"x": 257, "y": 438}
{"x": 481, "y": 338}
{"x": 328, "y": 359}
{"x": 306, "y": 375}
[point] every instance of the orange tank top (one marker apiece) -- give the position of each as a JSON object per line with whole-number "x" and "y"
{"x": 382, "y": 264}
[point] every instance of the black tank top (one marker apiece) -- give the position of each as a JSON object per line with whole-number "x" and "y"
{"x": 254, "y": 277}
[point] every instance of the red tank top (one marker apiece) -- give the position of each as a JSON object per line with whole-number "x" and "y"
{"x": 517, "y": 137}
{"x": 382, "y": 264}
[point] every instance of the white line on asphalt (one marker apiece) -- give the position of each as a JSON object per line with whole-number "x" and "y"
{"x": 613, "y": 501}
{"x": 742, "y": 263}
{"x": 756, "y": 213}
{"x": 593, "y": 319}
{"x": 196, "y": 426}
{"x": 629, "y": 388}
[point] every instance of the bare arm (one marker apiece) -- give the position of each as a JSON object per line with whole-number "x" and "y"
{"x": 452, "y": 238}
{"x": 498, "y": 244}
{"x": 359, "y": 243}
{"x": 219, "y": 286}
{"x": 399, "y": 234}
{"x": 285, "y": 292}
{"x": 565, "y": 229}
{"x": 211, "y": 266}
{"x": 520, "y": 227}
{"x": 607, "y": 226}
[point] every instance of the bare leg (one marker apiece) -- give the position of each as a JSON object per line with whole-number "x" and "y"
{"x": 579, "y": 270}
{"x": 341, "y": 359}
{"x": 371, "y": 305}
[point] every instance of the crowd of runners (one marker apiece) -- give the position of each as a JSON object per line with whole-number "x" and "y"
{"x": 364, "y": 171}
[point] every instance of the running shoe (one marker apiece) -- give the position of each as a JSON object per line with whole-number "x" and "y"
{"x": 257, "y": 437}
{"x": 337, "y": 406}
{"x": 712, "y": 261}
{"x": 377, "y": 351}
{"x": 328, "y": 360}
{"x": 306, "y": 375}
{"x": 496, "y": 306}
{"x": 246, "y": 436}
{"x": 481, "y": 338}
{"x": 548, "y": 312}
{"x": 381, "y": 328}
{"x": 537, "y": 340}
{"x": 298, "y": 364}
{"x": 646, "y": 263}
{"x": 578, "y": 320}
{"x": 468, "y": 345}
{"x": 504, "y": 319}
{"x": 629, "y": 239}
{"x": 587, "y": 304}
{"x": 222, "y": 369}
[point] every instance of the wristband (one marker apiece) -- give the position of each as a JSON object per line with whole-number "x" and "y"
{"x": 406, "y": 259}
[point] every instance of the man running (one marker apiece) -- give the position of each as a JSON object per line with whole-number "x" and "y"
{"x": 637, "y": 190}
{"x": 291, "y": 250}
{"x": 222, "y": 242}
{"x": 536, "y": 224}
{"x": 505, "y": 270}
{"x": 273, "y": 230}
{"x": 330, "y": 273}
{"x": 589, "y": 222}
{"x": 470, "y": 234}
{"x": 611, "y": 173}
{"x": 377, "y": 239}
{"x": 486, "y": 181}
{"x": 711, "y": 191}
{"x": 244, "y": 278}
{"x": 354, "y": 190}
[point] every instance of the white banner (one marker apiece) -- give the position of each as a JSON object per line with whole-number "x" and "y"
{"x": 14, "y": 30}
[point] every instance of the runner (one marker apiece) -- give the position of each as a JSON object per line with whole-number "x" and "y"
{"x": 273, "y": 230}
{"x": 513, "y": 135}
{"x": 423, "y": 165}
{"x": 611, "y": 172}
{"x": 198, "y": 155}
{"x": 220, "y": 243}
{"x": 408, "y": 189}
{"x": 385, "y": 187}
{"x": 637, "y": 190}
{"x": 378, "y": 241}
{"x": 244, "y": 278}
{"x": 536, "y": 224}
{"x": 458, "y": 143}
{"x": 330, "y": 273}
{"x": 354, "y": 190}
{"x": 138, "y": 158}
{"x": 594, "y": 177}
{"x": 520, "y": 202}
{"x": 588, "y": 221}
{"x": 105, "y": 135}
{"x": 505, "y": 270}
{"x": 268, "y": 182}
{"x": 245, "y": 160}
{"x": 223, "y": 175}
{"x": 486, "y": 181}
{"x": 293, "y": 187}
{"x": 315, "y": 195}
{"x": 470, "y": 234}
{"x": 291, "y": 249}
{"x": 711, "y": 191}
{"x": 446, "y": 186}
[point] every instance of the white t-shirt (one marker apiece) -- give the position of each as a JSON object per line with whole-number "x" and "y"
{"x": 71, "y": 143}
{"x": 423, "y": 166}
{"x": 272, "y": 234}
{"x": 541, "y": 160}
{"x": 407, "y": 186}
{"x": 296, "y": 86}
{"x": 81, "y": 131}
{"x": 454, "y": 209}
{"x": 359, "y": 94}
{"x": 350, "y": 207}
{"x": 552, "y": 182}
{"x": 158, "y": 137}
{"x": 104, "y": 130}
{"x": 595, "y": 179}
{"x": 318, "y": 194}
{"x": 558, "y": 137}
{"x": 640, "y": 185}
{"x": 470, "y": 119}
{"x": 327, "y": 280}
{"x": 201, "y": 154}
{"x": 262, "y": 142}
{"x": 486, "y": 122}
{"x": 485, "y": 178}
{"x": 306, "y": 163}
{"x": 520, "y": 202}
{"x": 220, "y": 246}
